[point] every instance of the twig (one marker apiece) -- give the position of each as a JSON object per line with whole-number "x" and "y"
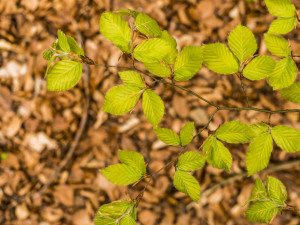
{"x": 233, "y": 178}
{"x": 244, "y": 91}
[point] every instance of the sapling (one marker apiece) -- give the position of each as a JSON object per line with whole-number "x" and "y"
{"x": 140, "y": 38}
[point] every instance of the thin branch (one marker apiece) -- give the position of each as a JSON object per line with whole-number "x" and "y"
{"x": 244, "y": 91}
{"x": 207, "y": 124}
{"x": 201, "y": 98}
{"x": 233, "y": 178}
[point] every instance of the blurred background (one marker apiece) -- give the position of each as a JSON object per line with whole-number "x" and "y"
{"x": 66, "y": 134}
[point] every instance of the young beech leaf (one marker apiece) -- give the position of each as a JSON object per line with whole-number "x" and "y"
{"x": 242, "y": 42}
{"x": 219, "y": 59}
{"x": 167, "y": 136}
{"x": 109, "y": 214}
{"x": 282, "y": 8}
{"x": 276, "y": 191}
{"x": 132, "y": 78}
{"x": 287, "y": 138}
{"x": 259, "y": 191}
{"x": 188, "y": 63}
{"x": 259, "y": 68}
{"x": 152, "y": 50}
{"x": 74, "y": 47}
{"x": 190, "y": 161}
{"x": 128, "y": 12}
{"x": 187, "y": 133}
{"x": 49, "y": 64}
{"x": 101, "y": 220}
{"x": 121, "y": 99}
{"x": 146, "y": 25}
{"x": 292, "y": 93}
{"x": 283, "y": 25}
{"x": 259, "y": 152}
{"x": 159, "y": 68}
{"x": 115, "y": 29}
{"x": 133, "y": 159}
{"x": 122, "y": 174}
{"x": 277, "y": 45}
{"x": 127, "y": 220}
{"x": 262, "y": 211}
{"x": 167, "y": 37}
{"x": 187, "y": 184}
{"x": 47, "y": 54}
{"x": 217, "y": 154}
{"x": 115, "y": 209}
{"x": 283, "y": 74}
{"x": 153, "y": 107}
{"x": 170, "y": 58}
{"x": 63, "y": 41}
{"x": 259, "y": 128}
{"x": 235, "y": 132}
{"x": 64, "y": 75}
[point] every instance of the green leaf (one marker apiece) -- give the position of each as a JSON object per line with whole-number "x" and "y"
{"x": 159, "y": 68}
{"x": 47, "y": 54}
{"x": 128, "y": 12}
{"x": 49, "y": 64}
{"x": 259, "y": 152}
{"x": 132, "y": 78}
{"x": 152, "y": 50}
{"x": 63, "y": 41}
{"x": 187, "y": 133}
{"x": 282, "y": 8}
{"x": 292, "y": 93}
{"x": 259, "y": 190}
{"x": 167, "y": 136}
{"x": 115, "y": 29}
{"x": 100, "y": 220}
{"x": 259, "y": 68}
{"x": 276, "y": 190}
{"x": 219, "y": 59}
{"x": 64, "y": 75}
{"x": 133, "y": 159}
{"x": 146, "y": 25}
{"x": 242, "y": 42}
{"x": 262, "y": 211}
{"x": 171, "y": 56}
{"x": 259, "y": 128}
{"x": 74, "y": 46}
{"x": 283, "y": 25}
{"x": 284, "y": 73}
{"x": 258, "y": 193}
{"x": 277, "y": 45}
{"x": 217, "y": 154}
{"x": 127, "y": 220}
{"x": 122, "y": 174}
{"x": 110, "y": 214}
{"x": 188, "y": 63}
{"x": 121, "y": 99}
{"x": 115, "y": 209}
{"x": 190, "y": 161}
{"x": 187, "y": 184}
{"x": 167, "y": 37}
{"x": 153, "y": 107}
{"x": 287, "y": 138}
{"x": 235, "y": 132}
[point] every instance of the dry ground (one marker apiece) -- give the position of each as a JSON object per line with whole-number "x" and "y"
{"x": 39, "y": 129}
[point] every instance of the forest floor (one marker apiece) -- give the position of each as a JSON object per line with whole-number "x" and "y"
{"x": 43, "y": 131}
